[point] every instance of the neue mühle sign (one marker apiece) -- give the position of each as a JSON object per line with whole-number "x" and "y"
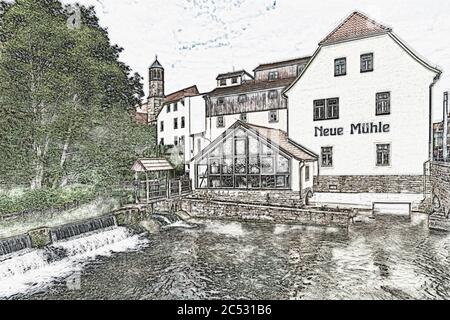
{"x": 355, "y": 128}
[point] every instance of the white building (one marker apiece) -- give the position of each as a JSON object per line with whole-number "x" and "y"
{"x": 363, "y": 103}
{"x": 181, "y": 122}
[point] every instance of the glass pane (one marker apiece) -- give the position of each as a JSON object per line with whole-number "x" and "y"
{"x": 254, "y": 165}
{"x": 227, "y": 165}
{"x": 214, "y": 166}
{"x": 227, "y": 181}
{"x": 268, "y": 181}
{"x": 228, "y": 147}
{"x": 215, "y": 152}
{"x": 253, "y": 146}
{"x": 241, "y": 182}
{"x": 240, "y": 165}
{"x": 240, "y": 147}
{"x": 282, "y": 164}
{"x": 214, "y": 181}
{"x": 266, "y": 150}
{"x": 281, "y": 182}
{"x": 267, "y": 165}
{"x": 254, "y": 182}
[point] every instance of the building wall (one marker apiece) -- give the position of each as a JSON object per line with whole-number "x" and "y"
{"x": 257, "y": 118}
{"x": 355, "y": 155}
{"x": 440, "y": 184}
{"x": 283, "y": 72}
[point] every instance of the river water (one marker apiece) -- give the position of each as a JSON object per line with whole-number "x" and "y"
{"x": 390, "y": 258}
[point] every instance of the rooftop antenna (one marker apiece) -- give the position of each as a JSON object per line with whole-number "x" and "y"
{"x": 445, "y": 133}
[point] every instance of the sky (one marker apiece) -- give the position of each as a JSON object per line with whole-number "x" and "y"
{"x": 197, "y": 39}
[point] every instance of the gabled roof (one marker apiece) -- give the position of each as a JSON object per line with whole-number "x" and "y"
{"x": 183, "y": 93}
{"x": 277, "y": 138}
{"x": 357, "y": 25}
{"x": 152, "y": 165}
{"x": 284, "y": 63}
{"x": 250, "y": 86}
{"x": 233, "y": 74}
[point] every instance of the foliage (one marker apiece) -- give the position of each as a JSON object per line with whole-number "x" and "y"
{"x": 39, "y": 199}
{"x": 66, "y": 101}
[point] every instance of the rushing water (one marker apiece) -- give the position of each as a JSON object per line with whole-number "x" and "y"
{"x": 391, "y": 258}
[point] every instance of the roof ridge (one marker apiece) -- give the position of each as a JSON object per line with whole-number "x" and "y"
{"x": 281, "y": 61}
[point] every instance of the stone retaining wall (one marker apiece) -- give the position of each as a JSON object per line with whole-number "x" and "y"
{"x": 285, "y": 198}
{"x": 370, "y": 184}
{"x": 261, "y": 213}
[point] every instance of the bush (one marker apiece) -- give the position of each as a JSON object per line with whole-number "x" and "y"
{"x": 41, "y": 199}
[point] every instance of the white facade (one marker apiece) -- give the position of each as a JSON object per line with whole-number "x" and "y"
{"x": 406, "y": 127}
{"x": 182, "y": 123}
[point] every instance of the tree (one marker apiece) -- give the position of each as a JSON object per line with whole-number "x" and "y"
{"x": 59, "y": 83}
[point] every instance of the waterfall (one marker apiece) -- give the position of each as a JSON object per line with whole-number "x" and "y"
{"x": 167, "y": 220}
{"x": 34, "y": 269}
{"x": 14, "y": 244}
{"x": 80, "y": 228}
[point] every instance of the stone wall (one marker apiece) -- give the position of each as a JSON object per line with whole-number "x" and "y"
{"x": 370, "y": 184}
{"x": 440, "y": 189}
{"x": 266, "y": 197}
{"x": 260, "y": 213}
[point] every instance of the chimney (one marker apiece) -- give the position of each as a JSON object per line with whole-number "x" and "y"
{"x": 445, "y": 134}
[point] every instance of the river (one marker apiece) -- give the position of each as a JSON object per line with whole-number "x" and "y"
{"x": 390, "y": 258}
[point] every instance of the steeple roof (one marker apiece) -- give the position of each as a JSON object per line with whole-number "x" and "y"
{"x": 156, "y": 64}
{"x": 357, "y": 25}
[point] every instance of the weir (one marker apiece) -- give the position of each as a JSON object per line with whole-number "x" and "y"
{"x": 76, "y": 229}
{"x": 14, "y": 244}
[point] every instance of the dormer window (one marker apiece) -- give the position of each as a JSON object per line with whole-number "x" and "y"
{"x": 223, "y": 82}
{"x": 220, "y": 101}
{"x": 273, "y": 75}
{"x": 300, "y": 68}
{"x": 234, "y": 80}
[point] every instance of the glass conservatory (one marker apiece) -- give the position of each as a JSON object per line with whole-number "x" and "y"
{"x": 243, "y": 159}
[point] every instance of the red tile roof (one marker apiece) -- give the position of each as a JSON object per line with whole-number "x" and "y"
{"x": 251, "y": 86}
{"x": 183, "y": 93}
{"x": 357, "y": 25}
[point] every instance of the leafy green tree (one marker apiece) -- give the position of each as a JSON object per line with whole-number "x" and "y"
{"x": 61, "y": 84}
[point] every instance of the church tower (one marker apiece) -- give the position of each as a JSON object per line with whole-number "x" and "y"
{"x": 156, "y": 90}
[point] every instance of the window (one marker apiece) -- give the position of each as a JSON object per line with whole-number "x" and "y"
{"x": 234, "y": 80}
{"x": 156, "y": 74}
{"x": 223, "y": 82}
{"x": 238, "y": 162}
{"x": 332, "y": 108}
{"x": 327, "y": 156}
{"x": 220, "y": 122}
{"x": 326, "y": 109}
{"x": 273, "y": 94}
{"x": 383, "y": 155}
{"x": 243, "y": 117}
{"x": 307, "y": 174}
{"x": 183, "y": 124}
{"x": 175, "y": 123}
{"x": 367, "y": 62}
{"x": 300, "y": 68}
{"x": 168, "y": 108}
{"x": 175, "y": 141}
{"x": 383, "y": 103}
{"x": 175, "y": 106}
{"x": 161, "y": 125}
{"x": 273, "y": 75}
{"x": 220, "y": 101}
{"x": 161, "y": 142}
{"x": 242, "y": 98}
{"x": 273, "y": 116}
{"x": 182, "y": 140}
{"x": 340, "y": 67}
